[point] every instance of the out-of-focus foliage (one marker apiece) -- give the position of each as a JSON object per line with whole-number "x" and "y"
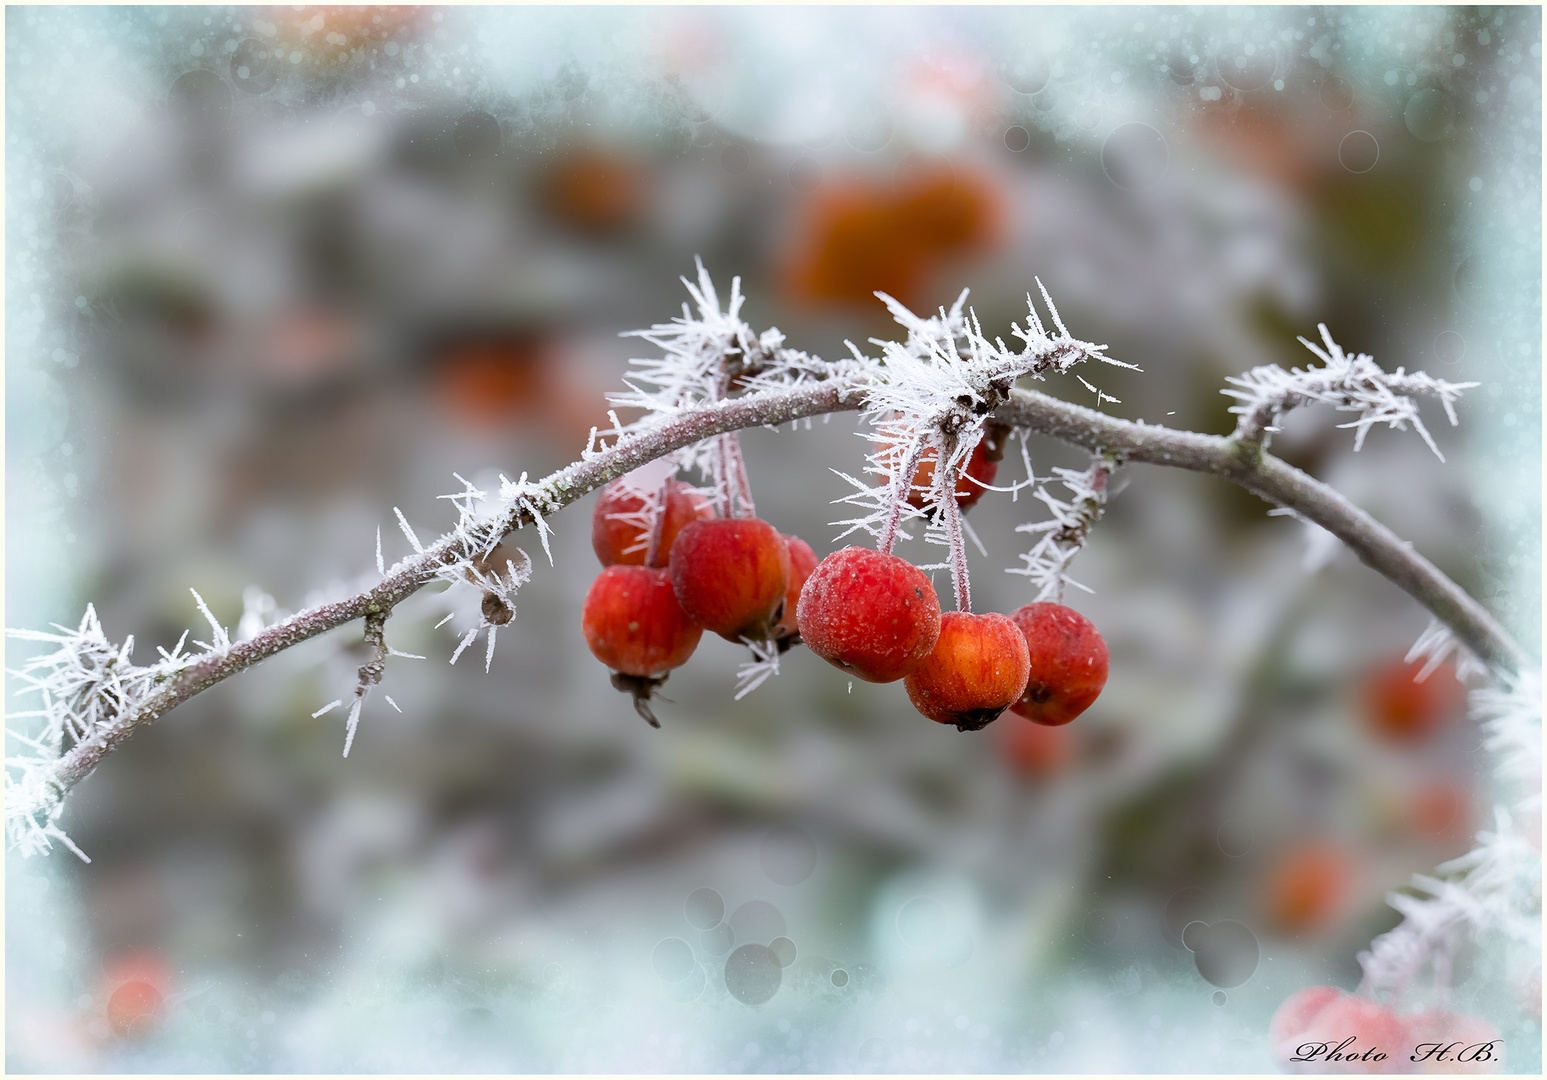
{"x": 273, "y": 272}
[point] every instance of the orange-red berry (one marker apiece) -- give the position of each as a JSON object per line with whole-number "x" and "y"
{"x": 634, "y": 625}
{"x": 1035, "y": 750}
{"x": 1399, "y": 709}
{"x": 875, "y": 616}
{"x": 978, "y": 667}
{"x": 1068, "y": 663}
{"x": 803, "y": 560}
{"x": 134, "y": 1009}
{"x": 617, "y": 535}
{"x": 731, "y": 575}
{"x": 980, "y": 467}
{"x": 1308, "y": 888}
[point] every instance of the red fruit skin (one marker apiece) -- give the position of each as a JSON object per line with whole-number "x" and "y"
{"x": 803, "y": 560}
{"x": 731, "y": 575}
{"x": 978, "y": 667}
{"x": 619, "y": 542}
{"x": 1068, "y": 663}
{"x": 1373, "y": 1028}
{"x": 967, "y": 493}
{"x": 1401, "y": 711}
{"x": 875, "y": 616}
{"x": 1294, "y": 1016}
{"x": 633, "y": 623}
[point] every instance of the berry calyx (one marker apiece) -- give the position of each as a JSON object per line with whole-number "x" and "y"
{"x": 730, "y": 575}
{"x": 633, "y": 624}
{"x": 803, "y": 560}
{"x": 875, "y": 616}
{"x": 1068, "y": 663}
{"x": 620, "y": 525}
{"x": 976, "y": 670}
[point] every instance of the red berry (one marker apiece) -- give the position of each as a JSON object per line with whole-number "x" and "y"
{"x": 1036, "y": 750}
{"x": 1309, "y": 888}
{"x": 1401, "y": 710}
{"x": 977, "y": 668}
{"x": 730, "y": 574}
{"x": 1068, "y": 663}
{"x": 634, "y": 625}
{"x": 802, "y": 561}
{"x": 1294, "y": 1016}
{"x": 618, "y": 534}
{"x": 134, "y": 1008}
{"x": 979, "y": 467}
{"x": 875, "y": 616}
{"x": 1369, "y": 1036}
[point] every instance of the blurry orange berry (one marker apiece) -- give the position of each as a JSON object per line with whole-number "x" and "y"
{"x": 489, "y": 381}
{"x": 134, "y": 1009}
{"x": 596, "y": 191}
{"x": 1399, "y": 709}
{"x": 1308, "y": 888}
{"x": 1035, "y": 750}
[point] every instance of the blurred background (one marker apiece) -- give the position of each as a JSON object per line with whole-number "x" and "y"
{"x": 271, "y": 272}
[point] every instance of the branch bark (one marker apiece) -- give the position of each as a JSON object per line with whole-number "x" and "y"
{"x": 1231, "y": 459}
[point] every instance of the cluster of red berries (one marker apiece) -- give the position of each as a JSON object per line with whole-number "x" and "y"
{"x": 738, "y": 577}
{"x": 870, "y": 614}
{"x": 876, "y": 616}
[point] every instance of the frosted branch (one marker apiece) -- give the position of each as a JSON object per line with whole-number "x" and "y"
{"x": 1348, "y": 384}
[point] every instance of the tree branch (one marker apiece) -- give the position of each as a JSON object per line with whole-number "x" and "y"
{"x": 1229, "y": 459}
{"x": 1283, "y": 485}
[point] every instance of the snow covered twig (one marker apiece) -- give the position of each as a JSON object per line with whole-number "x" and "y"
{"x": 1348, "y": 383}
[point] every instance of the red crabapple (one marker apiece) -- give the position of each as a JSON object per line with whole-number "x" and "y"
{"x": 981, "y": 467}
{"x": 618, "y": 540}
{"x": 978, "y": 667}
{"x": 803, "y": 560}
{"x": 1381, "y": 1042}
{"x": 1294, "y": 1016}
{"x": 875, "y": 616}
{"x": 634, "y": 625}
{"x": 1035, "y": 750}
{"x": 134, "y": 1009}
{"x": 1068, "y": 663}
{"x": 1308, "y": 888}
{"x": 1321, "y": 1020}
{"x": 730, "y": 575}
{"x": 1398, "y": 709}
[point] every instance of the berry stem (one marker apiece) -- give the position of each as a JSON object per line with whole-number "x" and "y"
{"x": 722, "y": 476}
{"x": 658, "y": 523}
{"x": 902, "y": 486}
{"x": 739, "y": 472}
{"x": 946, "y": 475}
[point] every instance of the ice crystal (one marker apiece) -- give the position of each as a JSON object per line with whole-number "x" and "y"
{"x": 763, "y": 665}
{"x": 1063, "y": 536}
{"x": 931, "y": 396}
{"x": 1349, "y": 384}
{"x": 86, "y": 688}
